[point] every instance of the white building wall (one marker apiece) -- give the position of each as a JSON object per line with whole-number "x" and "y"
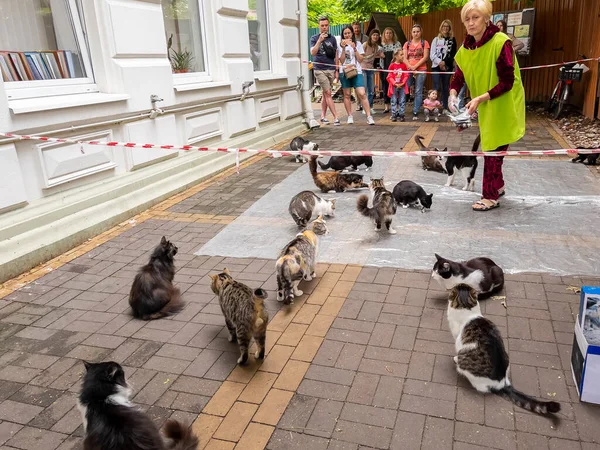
{"x": 128, "y": 53}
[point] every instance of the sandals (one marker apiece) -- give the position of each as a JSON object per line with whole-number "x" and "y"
{"x": 485, "y": 205}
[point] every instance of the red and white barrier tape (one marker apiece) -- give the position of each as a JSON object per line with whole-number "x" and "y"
{"x": 452, "y": 73}
{"x": 280, "y": 153}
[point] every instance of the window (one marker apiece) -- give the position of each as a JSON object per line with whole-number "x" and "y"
{"x": 258, "y": 32}
{"x": 42, "y": 45}
{"x": 184, "y": 27}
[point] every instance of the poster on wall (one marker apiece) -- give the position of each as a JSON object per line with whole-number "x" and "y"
{"x": 519, "y": 27}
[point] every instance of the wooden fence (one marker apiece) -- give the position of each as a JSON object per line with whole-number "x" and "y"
{"x": 563, "y": 30}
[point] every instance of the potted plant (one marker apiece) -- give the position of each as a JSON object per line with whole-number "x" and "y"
{"x": 181, "y": 62}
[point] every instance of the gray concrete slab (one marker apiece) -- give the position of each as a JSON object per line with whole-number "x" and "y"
{"x": 547, "y": 222}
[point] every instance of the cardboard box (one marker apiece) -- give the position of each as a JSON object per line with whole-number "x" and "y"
{"x": 585, "y": 366}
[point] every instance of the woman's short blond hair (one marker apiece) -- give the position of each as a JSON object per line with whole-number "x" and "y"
{"x": 482, "y": 6}
{"x": 441, "y": 32}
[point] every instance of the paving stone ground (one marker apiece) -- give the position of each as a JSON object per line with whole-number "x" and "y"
{"x": 361, "y": 361}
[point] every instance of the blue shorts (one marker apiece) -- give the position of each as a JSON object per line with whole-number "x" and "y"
{"x": 356, "y": 82}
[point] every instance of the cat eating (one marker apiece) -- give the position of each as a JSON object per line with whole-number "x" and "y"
{"x": 319, "y": 226}
{"x": 152, "y": 294}
{"x": 408, "y": 193}
{"x": 341, "y": 162}
{"x": 334, "y": 181}
{"x": 307, "y": 204}
{"x": 482, "y": 274}
{"x": 112, "y": 422}
{"x": 481, "y": 356}
{"x": 384, "y": 205}
{"x": 244, "y": 312}
{"x": 297, "y": 261}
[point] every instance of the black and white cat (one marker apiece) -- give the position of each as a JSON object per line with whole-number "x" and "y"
{"x": 307, "y": 204}
{"x": 480, "y": 353}
{"x": 299, "y": 144}
{"x": 589, "y": 159}
{"x": 482, "y": 274}
{"x": 341, "y": 162}
{"x": 466, "y": 165}
{"x": 111, "y": 422}
{"x": 408, "y": 193}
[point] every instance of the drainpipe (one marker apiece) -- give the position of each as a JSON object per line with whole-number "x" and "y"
{"x": 308, "y": 112}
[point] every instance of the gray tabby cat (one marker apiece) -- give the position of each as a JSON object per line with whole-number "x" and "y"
{"x": 384, "y": 205}
{"x": 481, "y": 356}
{"x": 244, "y": 311}
{"x": 319, "y": 226}
{"x": 297, "y": 261}
{"x": 307, "y": 204}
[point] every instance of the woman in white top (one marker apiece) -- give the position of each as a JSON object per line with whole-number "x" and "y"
{"x": 350, "y": 55}
{"x": 443, "y": 50}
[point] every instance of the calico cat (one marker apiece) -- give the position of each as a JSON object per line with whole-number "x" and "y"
{"x": 152, "y": 294}
{"x": 430, "y": 162}
{"x": 467, "y": 165}
{"x": 408, "y": 192}
{"x": 244, "y": 312}
{"x": 341, "y": 162}
{"x": 384, "y": 205}
{"x": 297, "y": 261}
{"x": 299, "y": 144}
{"x": 482, "y": 274}
{"x": 112, "y": 422}
{"x": 334, "y": 181}
{"x": 319, "y": 226}
{"x": 591, "y": 158}
{"x": 307, "y": 204}
{"x": 481, "y": 356}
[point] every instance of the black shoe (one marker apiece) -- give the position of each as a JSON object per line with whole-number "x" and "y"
{"x": 394, "y": 118}
{"x": 401, "y": 119}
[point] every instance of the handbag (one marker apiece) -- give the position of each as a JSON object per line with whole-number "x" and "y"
{"x": 350, "y": 71}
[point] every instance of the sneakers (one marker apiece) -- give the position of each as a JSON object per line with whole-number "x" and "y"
{"x": 324, "y": 120}
{"x": 370, "y": 120}
{"x": 350, "y": 120}
{"x": 336, "y": 122}
{"x": 426, "y": 118}
{"x": 415, "y": 117}
{"x": 436, "y": 118}
{"x": 373, "y": 111}
{"x": 394, "y": 118}
{"x": 401, "y": 118}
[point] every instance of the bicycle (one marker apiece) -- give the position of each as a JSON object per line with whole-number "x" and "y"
{"x": 567, "y": 74}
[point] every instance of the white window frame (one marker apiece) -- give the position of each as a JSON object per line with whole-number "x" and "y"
{"x": 46, "y": 88}
{"x": 259, "y": 73}
{"x": 180, "y": 79}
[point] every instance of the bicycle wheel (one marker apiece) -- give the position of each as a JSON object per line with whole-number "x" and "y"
{"x": 554, "y": 97}
{"x": 562, "y": 101}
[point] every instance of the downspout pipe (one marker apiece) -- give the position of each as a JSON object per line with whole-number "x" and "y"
{"x": 309, "y": 116}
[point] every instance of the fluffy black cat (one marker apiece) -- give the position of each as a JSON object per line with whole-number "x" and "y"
{"x": 341, "y": 162}
{"x": 482, "y": 274}
{"x": 152, "y": 294}
{"x": 111, "y": 422}
{"x": 589, "y": 159}
{"x": 408, "y": 193}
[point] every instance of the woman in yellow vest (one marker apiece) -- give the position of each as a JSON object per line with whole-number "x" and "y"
{"x": 487, "y": 64}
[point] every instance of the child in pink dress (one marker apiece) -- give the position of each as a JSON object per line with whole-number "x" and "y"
{"x": 432, "y": 106}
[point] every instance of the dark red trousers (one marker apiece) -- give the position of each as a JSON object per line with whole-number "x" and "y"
{"x": 493, "y": 180}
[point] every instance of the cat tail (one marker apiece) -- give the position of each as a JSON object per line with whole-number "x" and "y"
{"x": 526, "y": 402}
{"x": 312, "y": 165}
{"x": 362, "y": 206}
{"x": 182, "y": 436}
{"x": 476, "y": 143}
{"x": 323, "y": 165}
{"x": 419, "y": 142}
{"x": 284, "y": 282}
{"x": 173, "y": 306}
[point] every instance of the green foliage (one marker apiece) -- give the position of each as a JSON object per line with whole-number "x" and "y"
{"x": 181, "y": 61}
{"x": 363, "y": 8}
{"x": 330, "y": 8}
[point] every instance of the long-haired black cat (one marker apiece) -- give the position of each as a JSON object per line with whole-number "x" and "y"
{"x": 152, "y": 293}
{"x": 111, "y": 422}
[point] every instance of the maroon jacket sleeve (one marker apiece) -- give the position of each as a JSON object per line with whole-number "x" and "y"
{"x": 458, "y": 79}
{"x": 506, "y": 71}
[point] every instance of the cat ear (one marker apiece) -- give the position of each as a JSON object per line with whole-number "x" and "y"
{"x": 430, "y": 196}
{"x": 225, "y": 270}
{"x": 163, "y": 241}
{"x": 213, "y": 277}
{"x": 112, "y": 371}
{"x": 320, "y": 217}
{"x": 87, "y": 365}
{"x": 438, "y": 257}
